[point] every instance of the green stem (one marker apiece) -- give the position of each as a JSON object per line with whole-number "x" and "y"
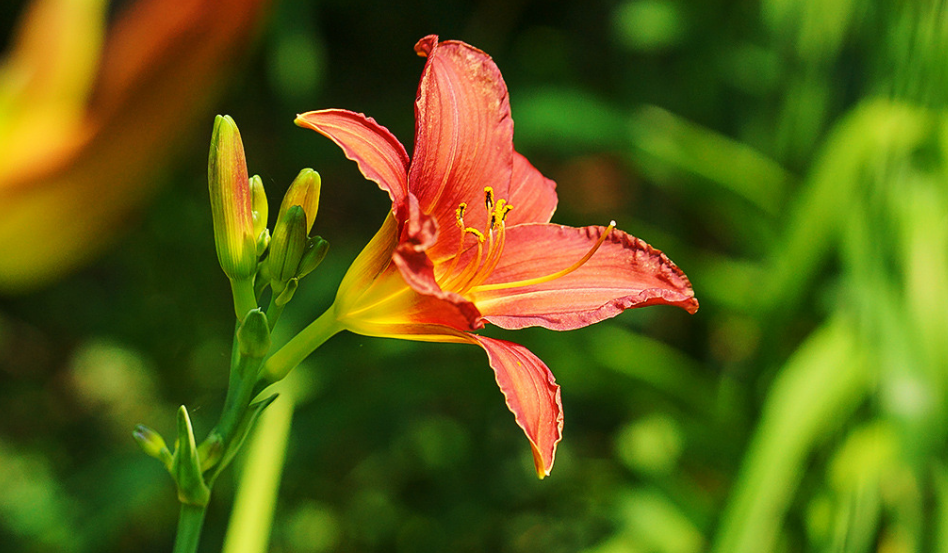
{"x": 245, "y": 298}
{"x": 292, "y": 354}
{"x": 190, "y": 522}
{"x": 274, "y": 311}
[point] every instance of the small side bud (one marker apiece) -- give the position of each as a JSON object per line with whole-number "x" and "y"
{"x": 316, "y": 250}
{"x": 210, "y": 451}
{"x": 258, "y": 201}
{"x": 286, "y": 294}
{"x": 153, "y": 444}
{"x": 231, "y": 206}
{"x": 253, "y": 335}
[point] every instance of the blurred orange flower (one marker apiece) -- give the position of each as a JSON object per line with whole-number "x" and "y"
{"x": 89, "y": 110}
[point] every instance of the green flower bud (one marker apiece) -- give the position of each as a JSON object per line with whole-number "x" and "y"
{"x": 304, "y": 192}
{"x": 316, "y": 250}
{"x": 186, "y": 467}
{"x": 286, "y": 294}
{"x": 253, "y": 335}
{"x": 287, "y": 247}
{"x": 231, "y": 206}
{"x": 210, "y": 451}
{"x": 258, "y": 202}
{"x": 153, "y": 444}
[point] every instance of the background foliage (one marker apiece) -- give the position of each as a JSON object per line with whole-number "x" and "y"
{"x": 789, "y": 155}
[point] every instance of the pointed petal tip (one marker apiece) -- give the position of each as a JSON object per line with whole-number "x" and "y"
{"x": 424, "y": 46}
{"x": 543, "y": 468}
{"x": 301, "y": 121}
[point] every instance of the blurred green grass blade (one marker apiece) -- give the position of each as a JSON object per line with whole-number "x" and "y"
{"x": 815, "y": 391}
{"x": 872, "y": 134}
{"x": 673, "y": 141}
{"x": 818, "y": 27}
{"x": 857, "y": 473}
{"x": 255, "y": 503}
{"x": 924, "y": 258}
{"x": 940, "y": 526}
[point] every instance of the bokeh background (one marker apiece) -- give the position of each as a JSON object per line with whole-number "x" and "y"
{"x": 789, "y": 155}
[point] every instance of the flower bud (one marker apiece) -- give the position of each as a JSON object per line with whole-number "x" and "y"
{"x": 152, "y": 444}
{"x": 231, "y": 206}
{"x": 287, "y": 247}
{"x": 304, "y": 192}
{"x": 253, "y": 335}
{"x": 316, "y": 250}
{"x": 258, "y": 202}
{"x": 186, "y": 467}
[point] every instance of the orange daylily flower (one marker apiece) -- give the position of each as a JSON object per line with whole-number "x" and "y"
{"x": 469, "y": 239}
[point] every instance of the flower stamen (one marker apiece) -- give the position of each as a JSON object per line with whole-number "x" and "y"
{"x": 552, "y": 276}
{"x": 465, "y": 230}
{"x": 479, "y": 267}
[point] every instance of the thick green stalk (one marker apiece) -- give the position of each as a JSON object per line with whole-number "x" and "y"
{"x": 245, "y": 298}
{"x": 239, "y": 394}
{"x": 190, "y": 522}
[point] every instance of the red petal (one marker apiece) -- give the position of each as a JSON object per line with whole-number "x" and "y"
{"x": 417, "y": 269}
{"x": 532, "y": 395}
{"x": 624, "y": 273}
{"x": 380, "y": 156}
{"x": 463, "y": 137}
{"x": 532, "y": 195}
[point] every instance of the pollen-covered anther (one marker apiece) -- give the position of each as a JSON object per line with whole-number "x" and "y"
{"x": 503, "y": 211}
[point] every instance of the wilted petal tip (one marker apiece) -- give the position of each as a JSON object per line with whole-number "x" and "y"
{"x": 424, "y": 46}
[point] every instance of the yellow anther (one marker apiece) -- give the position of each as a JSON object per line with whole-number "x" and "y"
{"x": 460, "y": 215}
{"x": 489, "y": 197}
{"x": 475, "y": 232}
{"x": 504, "y": 211}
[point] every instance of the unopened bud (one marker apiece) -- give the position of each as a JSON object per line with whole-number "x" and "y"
{"x": 253, "y": 335}
{"x": 288, "y": 246}
{"x": 186, "y": 467}
{"x": 316, "y": 250}
{"x": 258, "y": 202}
{"x": 231, "y": 206}
{"x": 152, "y": 444}
{"x": 304, "y": 192}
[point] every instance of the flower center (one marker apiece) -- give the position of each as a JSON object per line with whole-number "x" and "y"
{"x": 481, "y": 264}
